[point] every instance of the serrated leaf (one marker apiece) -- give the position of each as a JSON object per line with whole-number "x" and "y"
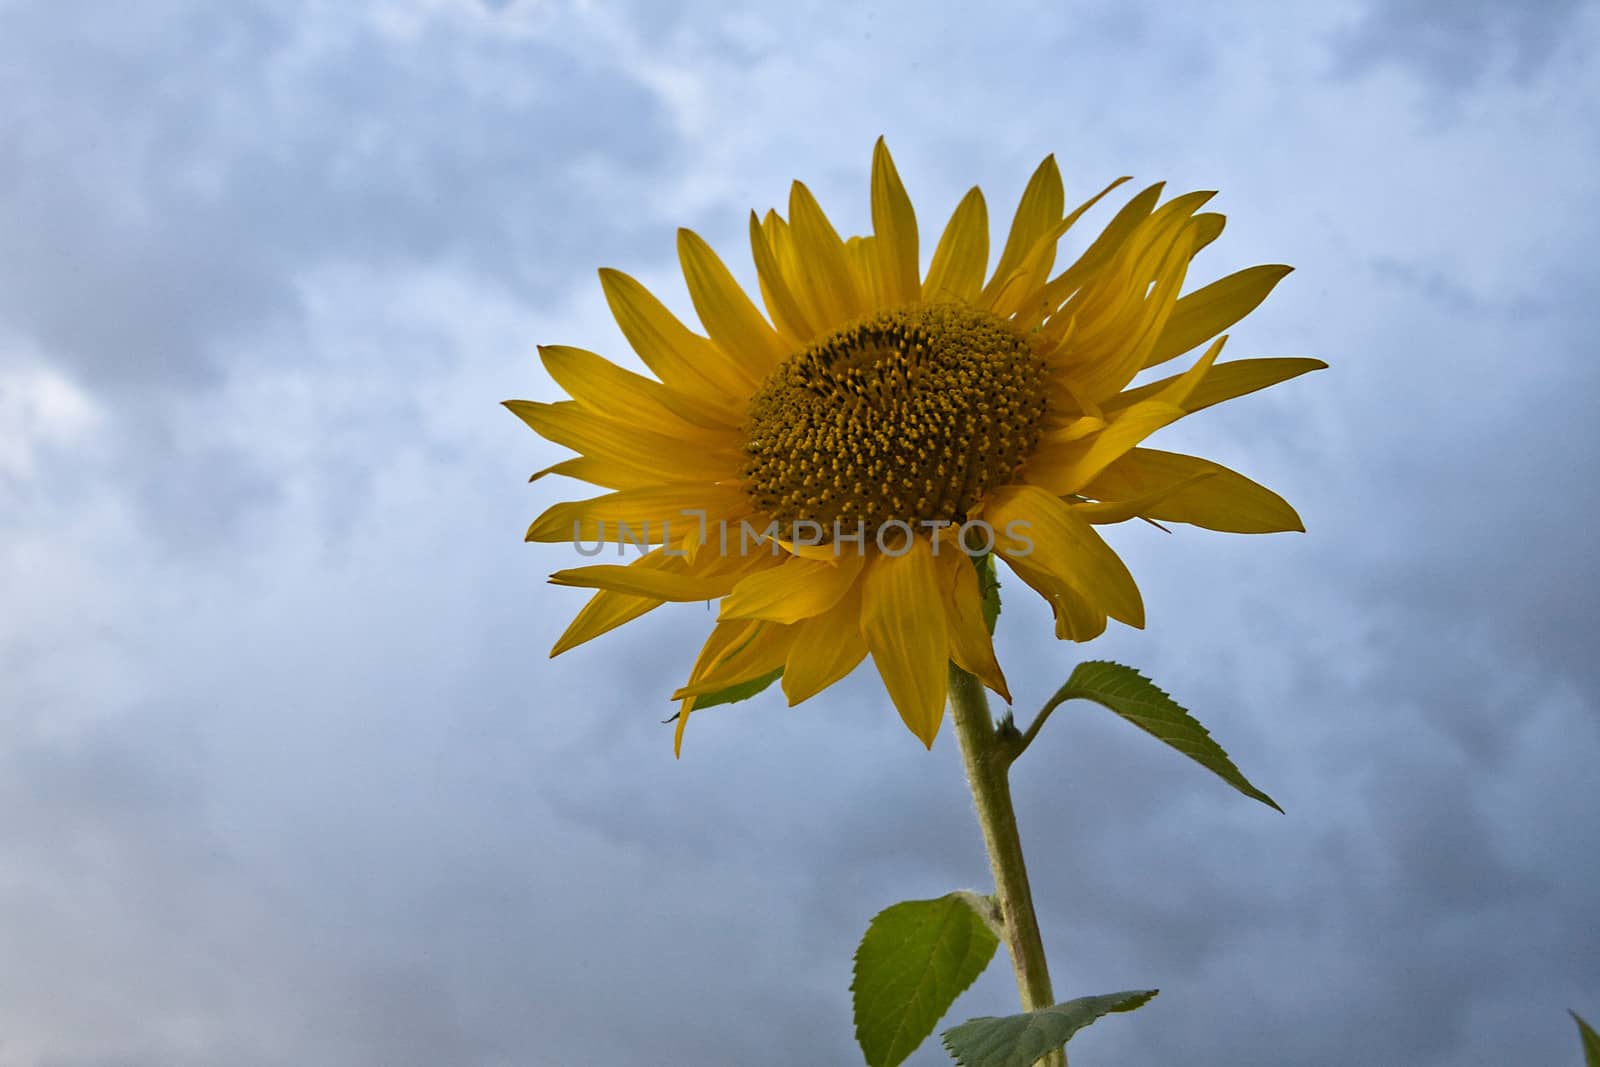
{"x": 1019, "y": 1040}
{"x": 1591, "y": 1041}
{"x": 914, "y": 960}
{"x": 1143, "y": 703}
{"x": 741, "y": 691}
{"x": 989, "y": 587}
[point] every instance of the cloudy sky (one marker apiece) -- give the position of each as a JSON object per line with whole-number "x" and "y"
{"x": 287, "y": 779}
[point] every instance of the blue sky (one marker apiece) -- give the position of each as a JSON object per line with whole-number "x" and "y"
{"x": 286, "y": 776}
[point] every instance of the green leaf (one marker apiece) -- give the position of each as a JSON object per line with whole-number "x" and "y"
{"x": 1019, "y": 1040}
{"x": 1591, "y": 1041}
{"x": 742, "y": 691}
{"x": 914, "y": 960}
{"x": 1140, "y": 701}
{"x": 989, "y": 586}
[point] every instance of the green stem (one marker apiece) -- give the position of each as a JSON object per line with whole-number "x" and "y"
{"x": 987, "y": 754}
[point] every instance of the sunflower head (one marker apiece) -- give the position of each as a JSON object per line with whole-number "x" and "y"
{"x": 910, "y": 413}
{"x": 830, "y": 465}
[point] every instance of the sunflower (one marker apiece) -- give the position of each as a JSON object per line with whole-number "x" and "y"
{"x": 834, "y": 470}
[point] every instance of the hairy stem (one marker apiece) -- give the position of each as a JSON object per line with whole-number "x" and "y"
{"x": 988, "y": 754}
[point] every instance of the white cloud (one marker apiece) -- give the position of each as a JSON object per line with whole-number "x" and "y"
{"x": 39, "y": 408}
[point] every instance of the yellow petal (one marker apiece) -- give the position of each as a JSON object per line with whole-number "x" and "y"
{"x": 1180, "y": 388}
{"x": 902, "y": 619}
{"x": 726, "y": 638}
{"x": 1109, "y": 511}
{"x": 894, "y": 222}
{"x": 657, "y": 514}
{"x": 1079, "y": 211}
{"x": 1066, "y": 466}
{"x": 1104, "y": 248}
{"x": 826, "y": 648}
{"x": 602, "y": 386}
{"x": 1040, "y": 530}
{"x": 807, "y": 550}
{"x": 1076, "y": 618}
{"x": 781, "y": 239}
{"x": 971, "y": 646}
{"x": 827, "y": 267}
{"x": 1038, "y": 211}
{"x": 1208, "y": 227}
{"x": 733, "y": 322}
{"x": 1024, "y": 295}
{"x": 1225, "y": 500}
{"x": 962, "y": 255}
{"x": 1104, "y": 292}
{"x": 1119, "y": 324}
{"x": 1225, "y": 381}
{"x": 607, "y": 610}
{"x": 681, "y": 358}
{"x": 862, "y": 252}
{"x": 1076, "y": 428}
{"x": 597, "y": 472}
{"x": 1208, "y": 311}
{"x": 670, "y": 459}
{"x": 1008, "y": 296}
{"x": 703, "y": 583}
{"x": 797, "y": 589}
{"x": 1173, "y": 213}
{"x": 762, "y": 653}
{"x": 604, "y": 612}
{"x": 786, "y": 310}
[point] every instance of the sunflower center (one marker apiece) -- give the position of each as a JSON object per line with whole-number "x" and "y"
{"x": 909, "y": 416}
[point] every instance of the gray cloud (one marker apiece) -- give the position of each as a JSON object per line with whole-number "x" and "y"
{"x": 1456, "y": 45}
{"x": 170, "y": 174}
